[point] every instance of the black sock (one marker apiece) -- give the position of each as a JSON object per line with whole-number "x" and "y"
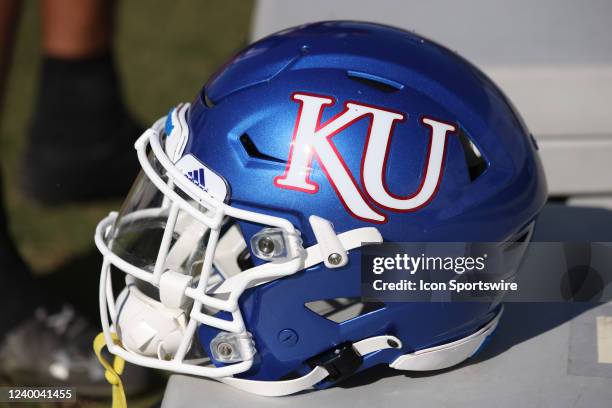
{"x": 78, "y": 95}
{"x": 81, "y": 138}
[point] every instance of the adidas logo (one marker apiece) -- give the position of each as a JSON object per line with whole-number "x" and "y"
{"x": 197, "y": 177}
{"x": 202, "y": 176}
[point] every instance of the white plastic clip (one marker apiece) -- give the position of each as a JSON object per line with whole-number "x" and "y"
{"x": 172, "y": 286}
{"x": 178, "y": 130}
{"x": 333, "y": 253}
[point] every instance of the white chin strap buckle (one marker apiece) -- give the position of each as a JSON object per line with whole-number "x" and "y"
{"x": 148, "y": 327}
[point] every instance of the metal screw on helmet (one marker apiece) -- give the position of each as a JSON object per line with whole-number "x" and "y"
{"x": 232, "y": 347}
{"x": 266, "y": 245}
{"x": 335, "y": 259}
{"x": 392, "y": 343}
{"x": 225, "y": 349}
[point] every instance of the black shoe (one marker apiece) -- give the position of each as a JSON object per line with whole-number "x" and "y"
{"x": 81, "y": 141}
{"x": 55, "y": 350}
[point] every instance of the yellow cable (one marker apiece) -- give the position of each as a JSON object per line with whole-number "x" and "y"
{"x": 112, "y": 372}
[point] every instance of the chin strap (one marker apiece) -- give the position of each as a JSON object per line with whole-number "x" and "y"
{"x": 332, "y": 369}
{"x": 112, "y": 371}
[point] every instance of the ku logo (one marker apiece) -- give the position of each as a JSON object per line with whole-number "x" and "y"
{"x": 312, "y": 139}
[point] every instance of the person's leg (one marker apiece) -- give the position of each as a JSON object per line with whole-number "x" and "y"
{"x": 74, "y": 29}
{"x": 45, "y": 341}
{"x": 81, "y": 135}
{"x": 18, "y": 293}
{"x": 10, "y": 11}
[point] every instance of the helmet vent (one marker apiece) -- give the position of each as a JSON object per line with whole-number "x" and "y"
{"x": 519, "y": 239}
{"x": 340, "y": 310}
{"x": 474, "y": 160}
{"x": 244, "y": 260}
{"x": 207, "y": 101}
{"x": 252, "y": 151}
{"x": 385, "y": 85}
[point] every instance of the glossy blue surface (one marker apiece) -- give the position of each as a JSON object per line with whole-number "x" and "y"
{"x": 252, "y": 95}
{"x": 169, "y": 125}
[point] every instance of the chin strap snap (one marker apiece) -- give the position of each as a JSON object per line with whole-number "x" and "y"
{"x": 348, "y": 359}
{"x": 112, "y": 371}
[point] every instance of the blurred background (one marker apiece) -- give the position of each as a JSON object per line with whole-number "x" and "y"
{"x": 164, "y": 55}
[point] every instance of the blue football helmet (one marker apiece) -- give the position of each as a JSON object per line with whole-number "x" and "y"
{"x": 241, "y": 238}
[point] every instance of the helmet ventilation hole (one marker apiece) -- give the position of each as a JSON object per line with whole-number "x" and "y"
{"x": 474, "y": 160}
{"x": 252, "y": 151}
{"x": 339, "y": 310}
{"x": 208, "y": 102}
{"x": 385, "y": 85}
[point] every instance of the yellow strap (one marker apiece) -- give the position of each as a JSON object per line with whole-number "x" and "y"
{"x": 114, "y": 371}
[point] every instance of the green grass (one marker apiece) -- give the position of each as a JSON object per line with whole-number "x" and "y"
{"x": 165, "y": 52}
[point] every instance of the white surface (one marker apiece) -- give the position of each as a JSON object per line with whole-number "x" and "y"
{"x": 578, "y": 164}
{"x": 604, "y": 339}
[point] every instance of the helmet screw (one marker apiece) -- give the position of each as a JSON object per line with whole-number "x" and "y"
{"x": 225, "y": 349}
{"x": 265, "y": 245}
{"x": 288, "y": 337}
{"x": 334, "y": 258}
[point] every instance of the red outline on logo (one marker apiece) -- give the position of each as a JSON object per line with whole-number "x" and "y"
{"x": 426, "y": 166}
{"x": 367, "y": 199}
{"x": 292, "y": 145}
{"x": 318, "y": 127}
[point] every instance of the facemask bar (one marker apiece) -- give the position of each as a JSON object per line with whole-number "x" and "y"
{"x": 212, "y": 217}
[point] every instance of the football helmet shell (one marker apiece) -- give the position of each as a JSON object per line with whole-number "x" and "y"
{"x": 303, "y": 148}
